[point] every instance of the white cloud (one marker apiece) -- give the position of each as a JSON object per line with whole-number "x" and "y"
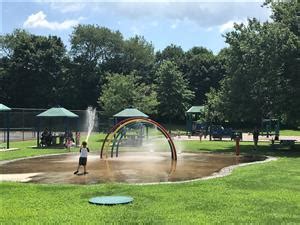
{"x": 39, "y": 20}
{"x": 203, "y": 14}
{"x": 228, "y": 26}
{"x": 68, "y": 7}
{"x": 65, "y": 6}
{"x": 155, "y": 1}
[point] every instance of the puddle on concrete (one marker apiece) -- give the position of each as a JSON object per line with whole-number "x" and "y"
{"x": 129, "y": 167}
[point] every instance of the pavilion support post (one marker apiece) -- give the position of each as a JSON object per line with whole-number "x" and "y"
{"x": 77, "y": 125}
{"x": 66, "y": 124}
{"x": 7, "y": 131}
{"x": 38, "y": 132}
{"x": 50, "y": 125}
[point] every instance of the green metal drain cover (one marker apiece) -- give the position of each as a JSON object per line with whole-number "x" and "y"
{"x": 111, "y": 200}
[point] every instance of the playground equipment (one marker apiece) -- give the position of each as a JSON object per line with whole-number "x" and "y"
{"x": 192, "y": 117}
{"x": 117, "y": 132}
{"x": 216, "y": 131}
{"x": 219, "y": 132}
{"x": 270, "y": 127}
{"x": 194, "y": 126}
{"x": 132, "y": 135}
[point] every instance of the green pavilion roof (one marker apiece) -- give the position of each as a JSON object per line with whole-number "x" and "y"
{"x": 4, "y": 108}
{"x": 196, "y": 109}
{"x": 57, "y": 112}
{"x": 131, "y": 112}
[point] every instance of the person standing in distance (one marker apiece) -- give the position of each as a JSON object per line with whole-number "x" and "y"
{"x": 255, "y": 137}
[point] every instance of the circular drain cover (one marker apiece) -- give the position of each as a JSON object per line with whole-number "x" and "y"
{"x": 111, "y": 200}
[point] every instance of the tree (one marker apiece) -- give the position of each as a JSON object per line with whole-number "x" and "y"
{"x": 172, "y": 53}
{"x": 138, "y": 57}
{"x": 174, "y": 97}
{"x": 32, "y": 69}
{"x": 285, "y": 12}
{"x": 122, "y": 91}
{"x": 4, "y": 74}
{"x": 95, "y": 44}
{"x": 262, "y": 76}
{"x": 203, "y": 70}
{"x": 93, "y": 48}
{"x": 145, "y": 98}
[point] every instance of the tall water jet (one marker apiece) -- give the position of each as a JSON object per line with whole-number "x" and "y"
{"x": 91, "y": 117}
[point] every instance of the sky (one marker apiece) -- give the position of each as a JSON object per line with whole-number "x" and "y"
{"x": 161, "y": 22}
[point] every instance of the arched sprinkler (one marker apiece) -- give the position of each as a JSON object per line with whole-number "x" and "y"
{"x": 113, "y": 134}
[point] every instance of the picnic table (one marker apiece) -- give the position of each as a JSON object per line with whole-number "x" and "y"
{"x": 57, "y": 140}
{"x": 283, "y": 143}
{"x": 287, "y": 142}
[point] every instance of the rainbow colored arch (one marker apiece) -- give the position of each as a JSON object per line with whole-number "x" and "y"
{"x": 114, "y": 134}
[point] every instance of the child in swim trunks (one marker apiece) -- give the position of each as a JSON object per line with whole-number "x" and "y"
{"x": 83, "y": 157}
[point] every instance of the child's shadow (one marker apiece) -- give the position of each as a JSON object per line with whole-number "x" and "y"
{"x": 81, "y": 174}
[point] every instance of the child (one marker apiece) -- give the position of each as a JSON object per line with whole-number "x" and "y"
{"x": 83, "y": 157}
{"x": 69, "y": 143}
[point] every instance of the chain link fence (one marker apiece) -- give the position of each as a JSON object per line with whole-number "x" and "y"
{"x": 24, "y": 122}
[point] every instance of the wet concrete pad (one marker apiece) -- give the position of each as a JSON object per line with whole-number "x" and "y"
{"x": 129, "y": 167}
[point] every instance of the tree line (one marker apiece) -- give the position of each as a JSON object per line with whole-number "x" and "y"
{"x": 104, "y": 70}
{"x": 255, "y": 77}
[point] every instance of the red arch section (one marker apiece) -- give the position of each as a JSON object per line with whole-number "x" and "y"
{"x": 146, "y": 120}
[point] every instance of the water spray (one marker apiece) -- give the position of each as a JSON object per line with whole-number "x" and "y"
{"x": 91, "y": 115}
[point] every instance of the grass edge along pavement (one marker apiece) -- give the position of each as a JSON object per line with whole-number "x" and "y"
{"x": 262, "y": 193}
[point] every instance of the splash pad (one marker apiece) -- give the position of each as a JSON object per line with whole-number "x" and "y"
{"x": 138, "y": 160}
{"x": 129, "y": 167}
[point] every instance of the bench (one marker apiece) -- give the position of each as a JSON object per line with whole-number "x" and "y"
{"x": 287, "y": 142}
{"x": 283, "y": 143}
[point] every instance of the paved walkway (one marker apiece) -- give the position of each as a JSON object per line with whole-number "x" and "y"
{"x": 7, "y": 149}
{"x": 246, "y": 137}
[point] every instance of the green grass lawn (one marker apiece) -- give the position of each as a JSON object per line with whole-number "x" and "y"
{"x": 259, "y": 194}
{"x": 290, "y": 132}
{"x": 26, "y": 149}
